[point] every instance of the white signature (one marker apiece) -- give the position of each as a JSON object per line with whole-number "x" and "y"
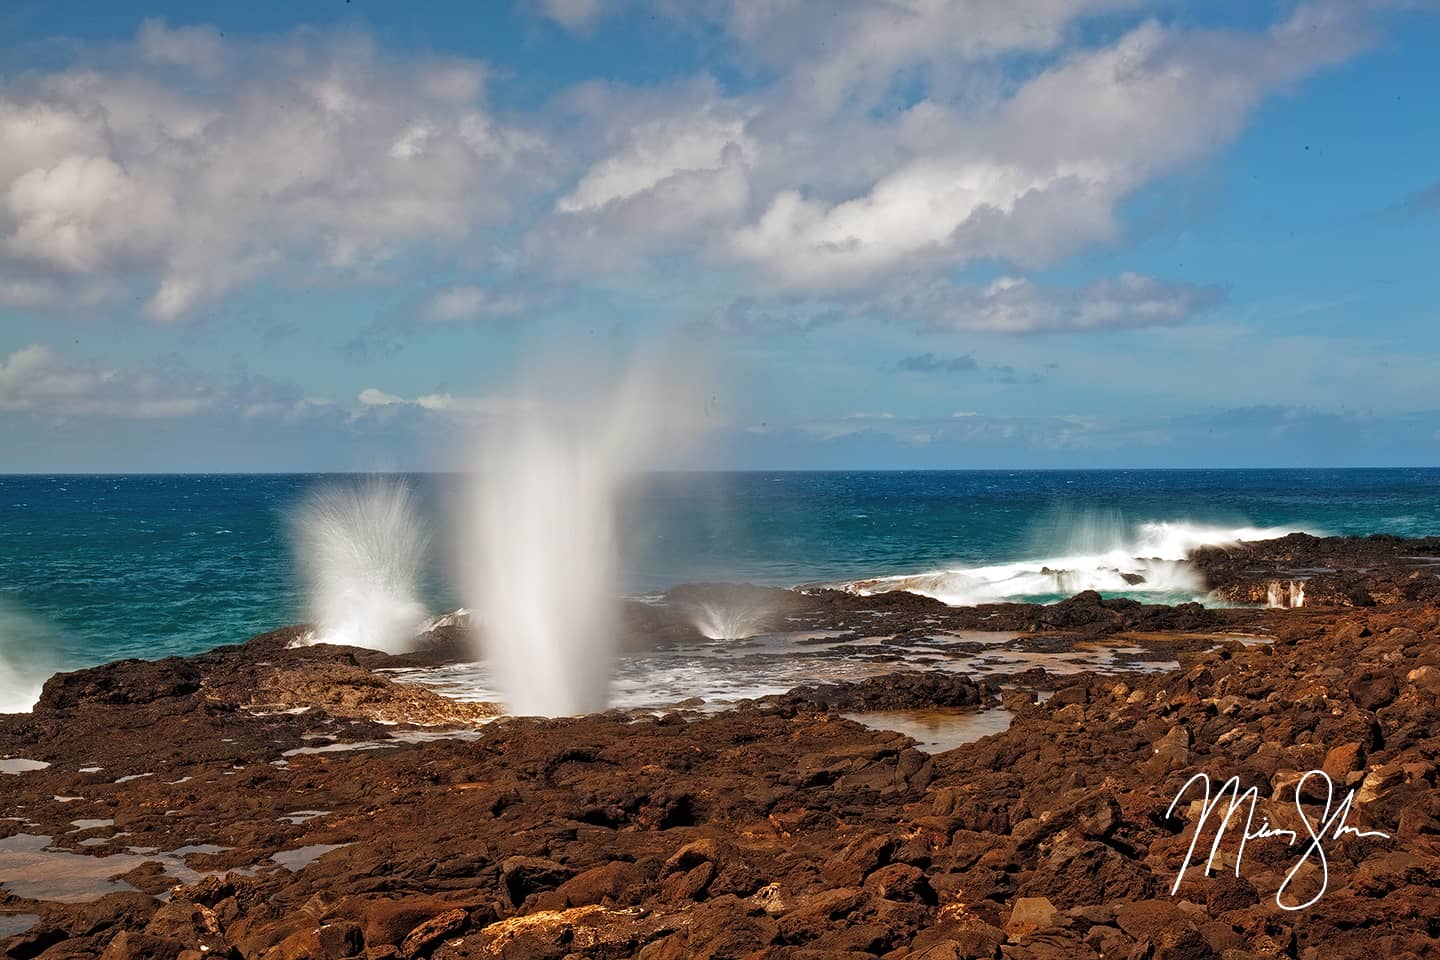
{"x": 1329, "y": 825}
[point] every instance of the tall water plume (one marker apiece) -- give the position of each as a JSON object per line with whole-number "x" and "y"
{"x": 362, "y": 548}
{"x": 542, "y": 566}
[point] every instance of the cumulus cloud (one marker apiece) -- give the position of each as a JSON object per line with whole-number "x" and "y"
{"x": 655, "y": 151}
{"x": 881, "y": 146}
{"x": 895, "y": 142}
{"x": 318, "y": 152}
{"x": 656, "y": 171}
{"x": 1039, "y": 173}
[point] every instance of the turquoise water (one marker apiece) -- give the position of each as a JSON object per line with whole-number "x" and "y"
{"x": 98, "y": 567}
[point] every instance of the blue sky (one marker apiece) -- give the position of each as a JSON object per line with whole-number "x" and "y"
{"x": 1043, "y": 233}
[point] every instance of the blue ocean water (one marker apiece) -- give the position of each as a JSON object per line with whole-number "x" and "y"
{"x": 93, "y": 568}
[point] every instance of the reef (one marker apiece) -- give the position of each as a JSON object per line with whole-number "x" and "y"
{"x": 270, "y": 801}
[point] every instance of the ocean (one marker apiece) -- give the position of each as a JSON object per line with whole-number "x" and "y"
{"x": 95, "y": 568}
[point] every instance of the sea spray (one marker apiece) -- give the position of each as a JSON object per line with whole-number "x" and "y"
{"x": 1285, "y": 594}
{"x": 1096, "y": 552}
{"x": 541, "y": 568}
{"x": 26, "y": 657}
{"x": 362, "y": 548}
{"x": 719, "y": 620}
{"x": 728, "y": 611}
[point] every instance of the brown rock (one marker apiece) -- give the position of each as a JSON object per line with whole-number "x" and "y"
{"x": 420, "y": 940}
{"x": 390, "y": 921}
{"x": 618, "y": 882}
{"x": 1427, "y": 678}
{"x": 522, "y": 876}
{"x": 901, "y": 882}
{"x": 340, "y": 940}
{"x": 1373, "y": 689}
{"x": 1031, "y": 913}
{"x": 142, "y": 946}
{"x": 1182, "y": 941}
{"x": 690, "y": 885}
{"x": 1144, "y": 919}
{"x": 1339, "y": 761}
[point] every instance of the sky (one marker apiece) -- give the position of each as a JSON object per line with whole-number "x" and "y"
{"x": 881, "y": 234}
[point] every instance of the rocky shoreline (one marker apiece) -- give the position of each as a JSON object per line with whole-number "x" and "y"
{"x": 270, "y": 801}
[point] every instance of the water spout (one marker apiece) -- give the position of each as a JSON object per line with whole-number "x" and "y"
{"x": 361, "y": 549}
{"x": 541, "y": 569}
{"x": 728, "y": 611}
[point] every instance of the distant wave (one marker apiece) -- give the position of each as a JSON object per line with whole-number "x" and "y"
{"x": 1146, "y": 562}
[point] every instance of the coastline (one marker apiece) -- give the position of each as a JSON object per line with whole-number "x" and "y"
{"x": 776, "y": 828}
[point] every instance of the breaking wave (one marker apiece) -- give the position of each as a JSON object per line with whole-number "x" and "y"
{"x": 1147, "y": 561}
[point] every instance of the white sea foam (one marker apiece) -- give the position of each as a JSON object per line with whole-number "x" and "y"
{"x": 362, "y": 548}
{"x": 1147, "y": 561}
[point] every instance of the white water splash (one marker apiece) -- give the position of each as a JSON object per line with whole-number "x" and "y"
{"x": 362, "y": 548}
{"x": 721, "y": 620}
{"x": 1148, "y": 561}
{"x": 1285, "y": 594}
{"x": 541, "y": 567}
{"x": 729, "y": 611}
{"x": 26, "y": 652}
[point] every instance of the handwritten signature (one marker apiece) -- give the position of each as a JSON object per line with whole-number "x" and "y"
{"x": 1330, "y": 825}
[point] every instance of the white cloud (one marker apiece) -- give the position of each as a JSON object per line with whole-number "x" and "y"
{"x": 1040, "y": 173}
{"x": 572, "y": 14}
{"x": 1018, "y": 306}
{"x": 657, "y": 151}
{"x": 372, "y": 397}
{"x": 310, "y": 152}
{"x": 900, "y": 139}
{"x": 847, "y": 53}
{"x": 466, "y": 302}
{"x": 464, "y": 406}
{"x": 884, "y": 145}
{"x": 459, "y": 407}
{"x": 662, "y": 170}
{"x": 913, "y": 211}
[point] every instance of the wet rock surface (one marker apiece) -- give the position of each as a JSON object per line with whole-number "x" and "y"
{"x": 261, "y": 801}
{"x": 1324, "y": 571}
